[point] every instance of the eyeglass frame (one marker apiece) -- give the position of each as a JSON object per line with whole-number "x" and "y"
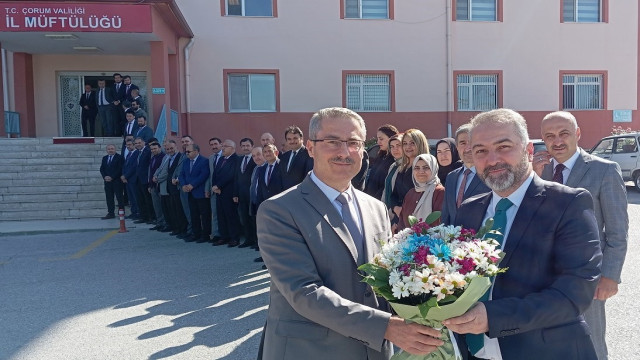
{"x": 332, "y": 143}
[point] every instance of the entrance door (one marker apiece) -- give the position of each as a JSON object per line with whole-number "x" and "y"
{"x": 71, "y": 85}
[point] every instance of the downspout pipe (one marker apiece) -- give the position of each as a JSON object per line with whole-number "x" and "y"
{"x": 449, "y": 78}
{"x": 187, "y": 82}
{"x": 5, "y": 80}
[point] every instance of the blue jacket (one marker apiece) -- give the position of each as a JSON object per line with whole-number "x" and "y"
{"x": 196, "y": 177}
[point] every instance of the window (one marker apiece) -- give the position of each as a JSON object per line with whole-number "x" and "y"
{"x": 626, "y": 145}
{"x": 249, "y": 7}
{"x": 605, "y": 147}
{"x": 582, "y": 11}
{"x": 477, "y": 92}
{"x": 582, "y": 91}
{"x": 477, "y": 10}
{"x": 367, "y": 9}
{"x": 251, "y": 91}
{"x": 369, "y": 91}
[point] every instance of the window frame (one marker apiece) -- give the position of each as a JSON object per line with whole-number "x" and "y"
{"x": 603, "y": 88}
{"x": 499, "y": 87}
{"x": 604, "y": 14}
{"x": 227, "y": 98}
{"x": 390, "y": 11}
{"x": 274, "y": 10}
{"x": 499, "y": 13}
{"x": 392, "y": 90}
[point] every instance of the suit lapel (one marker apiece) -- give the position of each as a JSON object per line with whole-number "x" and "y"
{"x": 472, "y": 186}
{"x": 528, "y": 208}
{"x": 317, "y": 199}
{"x": 367, "y": 224}
{"x": 579, "y": 169}
{"x": 472, "y": 212}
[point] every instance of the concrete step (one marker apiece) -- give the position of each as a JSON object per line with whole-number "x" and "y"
{"x": 69, "y": 189}
{"x": 52, "y": 197}
{"x": 61, "y": 174}
{"x": 51, "y": 161}
{"x": 49, "y": 167}
{"x": 46, "y": 182}
{"x": 52, "y": 214}
{"x": 47, "y": 204}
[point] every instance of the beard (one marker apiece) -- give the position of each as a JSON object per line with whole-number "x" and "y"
{"x": 513, "y": 174}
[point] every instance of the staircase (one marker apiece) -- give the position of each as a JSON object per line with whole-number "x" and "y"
{"x": 40, "y": 180}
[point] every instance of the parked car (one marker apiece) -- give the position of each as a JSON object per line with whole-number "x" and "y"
{"x": 622, "y": 149}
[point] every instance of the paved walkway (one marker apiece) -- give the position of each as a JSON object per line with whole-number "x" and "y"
{"x": 62, "y": 226}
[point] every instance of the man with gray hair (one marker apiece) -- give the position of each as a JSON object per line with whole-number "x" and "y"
{"x": 550, "y": 237}
{"x": 564, "y": 162}
{"x": 222, "y": 185}
{"x": 312, "y": 238}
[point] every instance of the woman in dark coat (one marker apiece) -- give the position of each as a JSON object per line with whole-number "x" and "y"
{"x": 379, "y": 166}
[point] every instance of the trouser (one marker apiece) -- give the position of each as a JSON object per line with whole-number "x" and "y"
{"x": 215, "y": 229}
{"x": 177, "y": 221}
{"x": 165, "y": 204}
{"x": 251, "y": 231}
{"x": 145, "y": 205}
{"x": 243, "y": 216}
{"x": 596, "y": 319}
{"x": 107, "y": 117}
{"x": 228, "y": 224}
{"x": 157, "y": 208}
{"x": 131, "y": 191}
{"x": 88, "y": 125}
{"x": 184, "y": 200}
{"x": 200, "y": 216}
{"x": 112, "y": 188}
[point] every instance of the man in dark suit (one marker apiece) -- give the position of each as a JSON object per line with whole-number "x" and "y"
{"x": 106, "y": 109}
{"x": 296, "y": 162}
{"x": 129, "y": 177}
{"x": 222, "y": 184}
{"x": 89, "y": 104}
{"x": 145, "y": 206}
{"x": 131, "y": 126}
{"x": 572, "y": 166}
{"x": 144, "y": 131}
{"x": 242, "y": 183}
{"x": 258, "y": 159}
{"x": 176, "y": 218}
{"x": 193, "y": 177}
{"x": 111, "y": 170}
{"x": 119, "y": 96}
{"x": 270, "y": 181}
{"x": 550, "y": 236}
{"x": 129, "y": 87}
{"x": 463, "y": 182}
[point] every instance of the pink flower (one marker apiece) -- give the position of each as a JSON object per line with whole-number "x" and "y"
{"x": 406, "y": 269}
{"x": 420, "y": 256}
{"x": 468, "y": 265}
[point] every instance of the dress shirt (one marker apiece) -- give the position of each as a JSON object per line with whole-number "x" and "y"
{"x": 568, "y": 165}
{"x": 268, "y": 170}
{"x": 101, "y": 96}
{"x": 332, "y": 195}
{"x": 129, "y": 127}
{"x": 245, "y": 162}
{"x": 293, "y": 154}
{"x": 491, "y": 349}
{"x": 469, "y": 179}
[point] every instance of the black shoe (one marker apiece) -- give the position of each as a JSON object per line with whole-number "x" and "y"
{"x": 258, "y": 259}
{"x": 202, "y": 240}
{"x": 108, "y": 216}
{"x": 174, "y": 233}
{"x": 215, "y": 239}
{"x": 154, "y": 228}
{"x": 164, "y": 229}
{"x": 264, "y": 267}
{"x": 190, "y": 239}
{"x": 132, "y": 217}
{"x": 183, "y": 235}
{"x": 233, "y": 243}
{"x": 245, "y": 244}
{"x": 220, "y": 242}
{"x": 150, "y": 222}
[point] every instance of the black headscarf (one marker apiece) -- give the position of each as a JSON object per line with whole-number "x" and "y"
{"x": 443, "y": 171}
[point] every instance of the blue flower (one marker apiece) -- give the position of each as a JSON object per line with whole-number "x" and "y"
{"x": 440, "y": 249}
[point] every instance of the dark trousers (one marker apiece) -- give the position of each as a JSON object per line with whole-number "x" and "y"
{"x": 228, "y": 223}
{"x": 131, "y": 191}
{"x": 252, "y": 231}
{"x": 108, "y": 119}
{"x": 243, "y": 213}
{"x": 143, "y": 198}
{"x": 200, "y": 216}
{"x": 166, "y": 208}
{"x": 177, "y": 221}
{"x": 88, "y": 124}
{"x": 112, "y": 188}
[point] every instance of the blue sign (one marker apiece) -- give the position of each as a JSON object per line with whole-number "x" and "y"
{"x": 622, "y": 116}
{"x": 157, "y": 91}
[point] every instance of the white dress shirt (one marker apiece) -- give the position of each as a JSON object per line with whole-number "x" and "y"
{"x": 568, "y": 165}
{"x": 332, "y": 195}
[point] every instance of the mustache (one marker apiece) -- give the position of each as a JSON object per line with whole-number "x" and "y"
{"x": 342, "y": 160}
{"x": 502, "y": 166}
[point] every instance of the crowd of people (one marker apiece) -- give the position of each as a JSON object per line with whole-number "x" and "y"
{"x": 216, "y": 199}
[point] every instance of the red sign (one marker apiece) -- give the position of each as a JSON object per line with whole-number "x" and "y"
{"x": 69, "y": 17}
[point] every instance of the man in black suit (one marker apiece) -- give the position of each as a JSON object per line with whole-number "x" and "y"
{"x": 129, "y": 177}
{"x": 270, "y": 181}
{"x": 463, "y": 182}
{"x": 549, "y": 234}
{"x": 145, "y": 205}
{"x": 106, "y": 109}
{"x": 89, "y": 104}
{"x": 111, "y": 170}
{"x": 120, "y": 95}
{"x": 251, "y": 230}
{"x": 242, "y": 184}
{"x": 128, "y": 88}
{"x": 175, "y": 213}
{"x": 296, "y": 162}
{"x": 144, "y": 131}
{"x": 222, "y": 184}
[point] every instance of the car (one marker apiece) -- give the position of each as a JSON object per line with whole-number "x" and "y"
{"x": 622, "y": 149}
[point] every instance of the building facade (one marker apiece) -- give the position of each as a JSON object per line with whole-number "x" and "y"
{"x": 236, "y": 68}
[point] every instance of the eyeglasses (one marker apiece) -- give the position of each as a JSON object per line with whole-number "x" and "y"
{"x": 188, "y": 151}
{"x": 335, "y": 144}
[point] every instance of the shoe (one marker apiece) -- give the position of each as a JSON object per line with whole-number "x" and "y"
{"x": 131, "y": 216}
{"x": 164, "y": 229}
{"x": 203, "y": 240}
{"x": 264, "y": 267}
{"x": 245, "y": 245}
{"x": 183, "y": 235}
{"x": 108, "y": 216}
{"x": 174, "y": 233}
{"x": 258, "y": 259}
{"x": 190, "y": 239}
{"x": 154, "y": 228}
{"x": 233, "y": 243}
{"x": 215, "y": 239}
{"x": 150, "y": 222}
{"x": 220, "y": 242}
{"x": 140, "y": 221}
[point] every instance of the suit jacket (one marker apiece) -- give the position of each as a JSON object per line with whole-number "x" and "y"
{"x": 253, "y": 190}
{"x": 449, "y": 208}
{"x": 225, "y": 175}
{"x": 120, "y": 94}
{"x": 154, "y": 165}
{"x": 603, "y": 179}
{"x": 92, "y": 103}
{"x": 173, "y": 173}
{"x": 212, "y": 170}
{"x": 127, "y": 92}
{"x": 319, "y": 308}
{"x": 142, "y": 165}
{"x": 300, "y": 167}
{"x": 243, "y": 179}
{"x": 108, "y": 94}
{"x": 275, "y": 185}
{"x": 134, "y": 128}
{"x": 162, "y": 175}
{"x": 196, "y": 177}
{"x": 145, "y": 133}
{"x": 553, "y": 255}
{"x": 131, "y": 166}
{"x": 114, "y": 169}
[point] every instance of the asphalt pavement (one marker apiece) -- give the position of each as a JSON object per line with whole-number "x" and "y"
{"x": 78, "y": 289}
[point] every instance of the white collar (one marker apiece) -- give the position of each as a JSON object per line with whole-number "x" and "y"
{"x": 516, "y": 196}
{"x": 570, "y": 162}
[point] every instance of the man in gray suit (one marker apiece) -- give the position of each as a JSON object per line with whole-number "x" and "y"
{"x": 565, "y": 163}
{"x": 312, "y": 238}
{"x": 463, "y": 182}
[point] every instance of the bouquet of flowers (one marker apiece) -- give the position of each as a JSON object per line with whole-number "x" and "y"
{"x": 429, "y": 274}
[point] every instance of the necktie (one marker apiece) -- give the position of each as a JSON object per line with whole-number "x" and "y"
{"x": 463, "y": 186}
{"x": 109, "y": 161}
{"x": 269, "y": 174}
{"x": 117, "y": 87}
{"x": 128, "y": 86}
{"x": 129, "y": 155}
{"x": 87, "y": 96}
{"x": 191, "y": 166}
{"x": 350, "y": 221}
{"x": 129, "y": 126}
{"x": 557, "y": 175}
{"x": 293, "y": 154}
{"x": 101, "y": 96}
{"x": 475, "y": 342}
{"x": 244, "y": 163}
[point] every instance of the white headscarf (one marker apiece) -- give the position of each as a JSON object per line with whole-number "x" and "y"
{"x": 424, "y": 205}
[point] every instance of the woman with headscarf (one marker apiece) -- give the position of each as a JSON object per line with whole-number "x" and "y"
{"x": 427, "y": 194}
{"x": 448, "y": 158}
{"x": 379, "y": 165}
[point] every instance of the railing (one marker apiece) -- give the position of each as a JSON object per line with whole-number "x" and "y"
{"x": 161, "y": 129}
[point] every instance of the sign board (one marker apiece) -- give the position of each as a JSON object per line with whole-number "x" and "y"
{"x": 25, "y": 16}
{"x": 622, "y": 116}
{"x": 157, "y": 91}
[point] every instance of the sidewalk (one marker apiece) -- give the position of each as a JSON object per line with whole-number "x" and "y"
{"x": 62, "y": 226}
